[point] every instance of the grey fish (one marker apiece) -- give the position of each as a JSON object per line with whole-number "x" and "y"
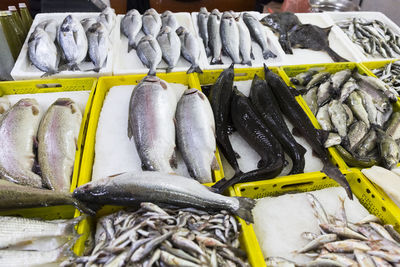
{"x": 257, "y": 32}
{"x": 367, "y": 144}
{"x": 87, "y": 23}
{"x": 304, "y": 78}
{"x": 151, "y": 22}
{"x": 356, "y": 133}
{"x": 350, "y": 116}
{"x": 129, "y": 188}
{"x": 339, "y": 79}
{"x": 97, "y": 36}
{"x": 42, "y": 52}
{"x": 324, "y": 119}
{"x": 169, "y": 19}
{"x": 338, "y": 258}
{"x": 324, "y": 93}
{"x": 389, "y": 150}
{"x": 57, "y": 137}
{"x": 73, "y": 41}
{"x": 391, "y": 257}
{"x": 229, "y": 32}
{"x": 375, "y": 83}
{"x": 196, "y": 135}
{"x": 393, "y": 128}
{"x": 311, "y": 99}
{"x": 318, "y": 79}
{"x": 131, "y": 24}
{"x": 155, "y": 139}
{"x": 317, "y": 242}
{"x": 18, "y": 128}
{"x": 245, "y": 45}
{"x": 202, "y": 20}
{"x": 333, "y": 140}
{"x": 190, "y": 49}
{"x": 50, "y": 27}
{"x": 346, "y": 246}
{"x": 369, "y": 107}
{"x": 149, "y": 52}
{"x": 355, "y": 103}
{"x": 338, "y": 117}
{"x": 347, "y": 89}
{"x": 107, "y": 17}
{"x": 170, "y": 44}
{"x": 214, "y": 39}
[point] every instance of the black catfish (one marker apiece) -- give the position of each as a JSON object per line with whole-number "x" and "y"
{"x": 220, "y": 100}
{"x": 293, "y": 111}
{"x": 266, "y": 105}
{"x": 252, "y": 128}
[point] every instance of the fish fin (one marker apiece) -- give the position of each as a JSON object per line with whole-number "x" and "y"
{"x": 87, "y": 208}
{"x": 173, "y": 161}
{"x": 333, "y": 172}
{"x": 268, "y": 54}
{"x": 130, "y": 47}
{"x": 245, "y": 207}
{"x": 70, "y": 225}
{"x": 194, "y": 68}
{"x": 215, "y": 61}
{"x": 247, "y": 62}
{"x": 335, "y": 56}
{"x": 301, "y": 149}
{"x": 130, "y": 132}
{"x": 152, "y": 72}
{"x": 296, "y": 132}
{"x": 261, "y": 164}
{"x": 237, "y": 155}
{"x": 208, "y": 52}
{"x": 214, "y": 164}
{"x": 252, "y": 54}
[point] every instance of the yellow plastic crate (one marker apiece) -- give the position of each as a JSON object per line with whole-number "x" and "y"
{"x": 367, "y": 194}
{"x": 50, "y": 86}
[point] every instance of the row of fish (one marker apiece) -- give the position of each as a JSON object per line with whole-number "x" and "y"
{"x": 357, "y": 113}
{"x": 54, "y": 136}
{"x": 390, "y": 74}
{"x": 53, "y": 48}
{"x": 232, "y": 35}
{"x": 343, "y": 243}
{"x": 31, "y": 242}
{"x": 157, "y": 117}
{"x": 293, "y": 34}
{"x": 165, "y": 236}
{"x": 163, "y": 38}
{"x": 259, "y": 120}
{"x": 373, "y": 36}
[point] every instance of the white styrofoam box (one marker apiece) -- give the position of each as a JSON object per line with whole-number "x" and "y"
{"x": 25, "y": 70}
{"x": 342, "y": 16}
{"x": 129, "y": 63}
{"x": 258, "y": 61}
{"x": 337, "y": 43}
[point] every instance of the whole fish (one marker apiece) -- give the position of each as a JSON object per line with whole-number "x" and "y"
{"x": 367, "y": 144}
{"x": 317, "y": 242}
{"x": 98, "y": 39}
{"x": 149, "y": 52}
{"x": 304, "y": 78}
{"x": 357, "y": 132}
{"x": 57, "y": 137}
{"x": 214, "y": 39}
{"x": 375, "y": 83}
{"x": 324, "y": 93}
{"x": 190, "y": 49}
{"x": 355, "y": 102}
{"x": 196, "y": 135}
{"x": 107, "y": 17}
{"x": 258, "y": 34}
{"x": 369, "y": 107}
{"x": 393, "y": 128}
{"x": 131, "y": 24}
{"x": 389, "y": 150}
{"x": 266, "y": 105}
{"x": 155, "y": 138}
{"x": 311, "y": 99}
{"x": 169, "y": 19}
{"x": 202, "y": 20}
{"x": 245, "y": 46}
{"x": 42, "y": 52}
{"x": 363, "y": 259}
{"x": 230, "y": 37}
{"x": 87, "y": 23}
{"x": 73, "y": 41}
{"x": 18, "y": 128}
{"x": 130, "y": 188}
{"x": 16, "y": 230}
{"x": 350, "y": 116}
{"x": 339, "y": 79}
{"x": 338, "y": 117}
{"x": 295, "y": 113}
{"x": 341, "y": 231}
{"x": 324, "y": 119}
{"x": 347, "y": 89}
{"x": 50, "y": 27}
{"x": 318, "y": 79}
{"x": 170, "y": 44}
{"x": 348, "y": 245}
{"x": 151, "y": 22}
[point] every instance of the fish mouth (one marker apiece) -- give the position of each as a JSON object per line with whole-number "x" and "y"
{"x": 63, "y": 102}
{"x": 191, "y": 91}
{"x": 27, "y": 102}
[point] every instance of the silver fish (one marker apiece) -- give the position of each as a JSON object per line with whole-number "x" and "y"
{"x": 190, "y": 49}
{"x": 389, "y": 150}
{"x": 258, "y": 33}
{"x": 393, "y": 128}
{"x": 333, "y": 140}
{"x": 131, "y": 24}
{"x": 317, "y": 242}
{"x": 155, "y": 139}
{"x": 18, "y": 128}
{"x": 196, "y": 134}
{"x": 97, "y": 36}
{"x": 151, "y": 22}
{"x": 50, "y": 27}
{"x": 311, "y": 99}
{"x": 394, "y": 234}
{"x": 202, "y": 20}
{"x": 324, "y": 262}
{"x": 149, "y": 52}
{"x": 169, "y": 19}
{"x": 363, "y": 259}
{"x": 172, "y": 260}
{"x": 73, "y": 41}
{"x": 323, "y": 94}
{"x": 87, "y": 23}
{"x": 348, "y": 245}
{"x": 319, "y": 211}
{"x": 395, "y": 258}
{"x": 324, "y": 119}
{"x": 338, "y": 117}
{"x": 338, "y": 258}
{"x": 245, "y": 44}
{"x": 347, "y": 89}
{"x": 107, "y": 17}
{"x": 355, "y": 103}
{"x": 356, "y": 133}
{"x": 57, "y": 137}
{"x": 230, "y": 37}
{"x": 382, "y": 231}
{"x": 344, "y": 232}
{"x": 170, "y": 44}
{"x": 214, "y": 39}
{"x": 305, "y": 77}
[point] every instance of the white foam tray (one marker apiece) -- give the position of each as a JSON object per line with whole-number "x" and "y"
{"x": 129, "y": 63}
{"x": 258, "y": 61}
{"x": 340, "y": 16}
{"x": 25, "y": 70}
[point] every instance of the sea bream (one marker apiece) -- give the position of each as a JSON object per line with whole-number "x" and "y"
{"x": 190, "y": 49}
{"x": 230, "y": 37}
{"x": 131, "y": 24}
{"x": 58, "y": 137}
{"x": 50, "y": 26}
{"x": 195, "y": 128}
{"x": 98, "y": 45}
{"x": 149, "y": 52}
{"x": 154, "y": 138}
{"x": 214, "y": 39}
{"x": 18, "y": 128}
{"x": 170, "y": 44}
{"x": 151, "y": 22}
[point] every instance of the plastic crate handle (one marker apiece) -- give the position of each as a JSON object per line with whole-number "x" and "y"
{"x": 48, "y": 85}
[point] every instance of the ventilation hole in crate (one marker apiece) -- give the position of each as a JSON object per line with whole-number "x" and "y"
{"x": 286, "y": 186}
{"x": 255, "y": 188}
{"x": 359, "y": 180}
{"x": 373, "y": 196}
{"x": 48, "y": 85}
{"x": 368, "y": 191}
{"x": 274, "y": 185}
{"x": 242, "y": 189}
{"x": 383, "y": 208}
{"x": 337, "y": 165}
{"x": 323, "y": 178}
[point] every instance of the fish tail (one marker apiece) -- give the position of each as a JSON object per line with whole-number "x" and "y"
{"x": 268, "y": 54}
{"x": 73, "y": 67}
{"x": 49, "y": 73}
{"x": 247, "y": 62}
{"x": 131, "y": 46}
{"x": 194, "y": 68}
{"x": 333, "y": 172}
{"x": 87, "y": 208}
{"x": 65, "y": 249}
{"x": 169, "y": 69}
{"x": 245, "y": 207}
{"x": 335, "y": 56}
{"x": 224, "y": 183}
{"x": 152, "y": 72}
{"x": 215, "y": 61}
{"x": 70, "y": 225}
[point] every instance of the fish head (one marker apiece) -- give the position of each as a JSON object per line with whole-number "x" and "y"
{"x": 68, "y": 24}
{"x": 96, "y": 27}
{"x": 67, "y": 102}
{"x": 166, "y": 14}
{"x": 150, "y": 12}
{"x": 29, "y": 103}
{"x": 146, "y": 38}
{"x": 203, "y": 10}
{"x": 165, "y": 30}
{"x": 227, "y": 15}
{"x": 181, "y": 30}
{"x": 133, "y": 12}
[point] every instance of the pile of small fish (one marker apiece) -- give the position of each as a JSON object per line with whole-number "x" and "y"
{"x": 390, "y": 74}
{"x": 343, "y": 243}
{"x": 357, "y": 113}
{"x": 157, "y": 118}
{"x": 232, "y": 34}
{"x": 53, "y": 48}
{"x": 163, "y": 38}
{"x": 293, "y": 34}
{"x": 259, "y": 120}
{"x": 165, "y": 237}
{"x": 33, "y": 242}
{"x": 373, "y": 36}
